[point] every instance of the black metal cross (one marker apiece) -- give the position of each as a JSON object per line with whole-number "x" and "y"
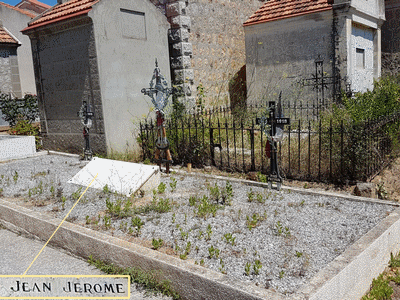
{"x": 273, "y": 127}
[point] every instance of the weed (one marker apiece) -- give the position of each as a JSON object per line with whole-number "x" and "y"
{"x": 253, "y": 221}
{"x": 202, "y": 262}
{"x": 160, "y": 206}
{"x": 87, "y": 220}
{"x": 183, "y": 256}
{"x": 173, "y": 218}
{"x": 213, "y": 252}
{"x": 380, "y": 289}
{"x": 192, "y": 201}
{"x": 149, "y": 279}
{"x": 106, "y": 189}
{"x": 161, "y": 188}
{"x": 279, "y": 229}
{"x": 222, "y": 267}
{"x": 394, "y": 261}
{"x": 75, "y": 195}
{"x": 381, "y": 191}
{"x": 123, "y": 226}
{"x": 52, "y": 190}
{"x": 114, "y": 209}
{"x": 281, "y": 274}
{"x": 229, "y": 238}
{"x": 200, "y": 235}
{"x": 205, "y": 208}
{"x": 259, "y": 198}
{"x": 185, "y": 221}
{"x": 137, "y": 223}
{"x": 257, "y": 267}
{"x": 63, "y": 200}
{"x": 214, "y": 192}
{"x": 299, "y": 254}
{"x": 247, "y": 268}
{"x": 157, "y": 243}
{"x": 107, "y": 222}
{"x": 302, "y": 203}
{"x": 15, "y": 176}
{"x": 172, "y": 184}
{"x": 184, "y": 235}
{"x": 250, "y": 196}
{"x": 209, "y": 232}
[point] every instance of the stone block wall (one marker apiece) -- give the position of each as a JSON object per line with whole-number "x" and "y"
{"x": 391, "y": 38}
{"x": 218, "y": 43}
{"x": 67, "y": 74}
{"x": 9, "y": 71}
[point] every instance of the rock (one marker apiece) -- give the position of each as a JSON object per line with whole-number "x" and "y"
{"x": 252, "y": 176}
{"x": 365, "y": 189}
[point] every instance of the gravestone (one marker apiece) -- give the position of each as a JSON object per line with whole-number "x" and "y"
{"x": 13, "y": 147}
{"x": 119, "y": 176}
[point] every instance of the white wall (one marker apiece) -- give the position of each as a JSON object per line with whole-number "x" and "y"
{"x": 127, "y": 44}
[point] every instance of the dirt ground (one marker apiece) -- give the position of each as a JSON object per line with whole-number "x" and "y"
{"x": 387, "y": 181}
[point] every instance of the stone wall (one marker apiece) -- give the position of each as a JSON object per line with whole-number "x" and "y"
{"x": 67, "y": 74}
{"x": 207, "y": 46}
{"x": 391, "y": 38}
{"x": 283, "y": 52}
{"x": 9, "y": 71}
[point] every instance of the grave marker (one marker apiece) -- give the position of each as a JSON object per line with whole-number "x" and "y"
{"x": 119, "y": 176}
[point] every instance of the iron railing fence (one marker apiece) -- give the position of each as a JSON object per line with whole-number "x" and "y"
{"x": 310, "y": 150}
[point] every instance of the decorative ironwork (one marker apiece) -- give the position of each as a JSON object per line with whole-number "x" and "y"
{"x": 86, "y": 115}
{"x": 159, "y": 94}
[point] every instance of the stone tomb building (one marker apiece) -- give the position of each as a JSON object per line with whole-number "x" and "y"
{"x": 102, "y": 52}
{"x": 284, "y": 38}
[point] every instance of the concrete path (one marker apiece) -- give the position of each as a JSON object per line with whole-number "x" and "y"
{"x": 18, "y": 252}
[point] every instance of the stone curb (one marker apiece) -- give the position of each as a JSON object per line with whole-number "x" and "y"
{"x": 190, "y": 281}
{"x": 310, "y": 192}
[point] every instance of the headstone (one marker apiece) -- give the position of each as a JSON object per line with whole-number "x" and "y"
{"x": 119, "y": 176}
{"x": 13, "y": 147}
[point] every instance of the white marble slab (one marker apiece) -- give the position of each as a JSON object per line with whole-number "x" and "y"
{"x": 13, "y": 147}
{"x": 119, "y": 176}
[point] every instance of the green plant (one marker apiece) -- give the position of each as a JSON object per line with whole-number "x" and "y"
{"x": 206, "y": 208}
{"x": 149, "y": 279}
{"x": 107, "y": 222}
{"x": 214, "y": 192}
{"x": 394, "y": 261}
{"x": 299, "y": 254}
{"x": 381, "y": 191}
{"x": 14, "y": 110}
{"x": 222, "y": 267}
{"x": 259, "y": 198}
{"x": 75, "y": 195}
{"x": 106, "y": 189}
{"x": 87, "y": 220}
{"x": 380, "y": 289}
{"x": 202, "y": 262}
{"x": 184, "y": 235}
{"x": 209, "y": 232}
{"x": 253, "y": 221}
{"x": 137, "y": 223}
{"x": 250, "y": 196}
{"x": 281, "y": 274}
{"x": 213, "y": 252}
{"x": 157, "y": 243}
{"x": 52, "y": 190}
{"x": 192, "y": 201}
{"x": 247, "y": 268}
{"x": 173, "y": 218}
{"x": 257, "y": 267}
{"x": 229, "y": 238}
{"x": 279, "y": 229}
{"x": 172, "y": 184}
{"x": 63, "y": 200}
{"x": 15, "y": 177}
{"x": 161, "y": 187}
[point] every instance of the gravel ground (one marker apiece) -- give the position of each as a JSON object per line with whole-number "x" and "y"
{"x": 278, "y": 240}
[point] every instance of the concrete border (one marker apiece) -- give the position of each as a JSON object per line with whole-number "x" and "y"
{"x": 189, "y": 280}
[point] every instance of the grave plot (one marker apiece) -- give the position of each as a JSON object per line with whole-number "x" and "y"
{"x": 277, "y": 240}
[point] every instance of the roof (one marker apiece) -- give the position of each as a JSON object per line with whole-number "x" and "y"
{"x": 30, "y": 14}
{"x": 36, "y": 3}
{"x": 281, "y": 9}
{"x": 6, "y": 37}
{"x": 63, "y": 11}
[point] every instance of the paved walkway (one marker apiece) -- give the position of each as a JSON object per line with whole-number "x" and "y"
{"x": 17, "y": 253}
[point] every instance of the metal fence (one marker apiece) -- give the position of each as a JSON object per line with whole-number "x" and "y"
{"x": 313, "y": 150}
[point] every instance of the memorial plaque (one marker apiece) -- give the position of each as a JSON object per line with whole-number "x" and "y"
{"x": 119, "y": 176}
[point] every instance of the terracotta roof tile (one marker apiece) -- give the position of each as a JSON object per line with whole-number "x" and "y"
{"x": 5, "y": 37}
{"x": 30, "y": 14}
{"x": 62, "y": 11}
{"x": 281, "y": 9}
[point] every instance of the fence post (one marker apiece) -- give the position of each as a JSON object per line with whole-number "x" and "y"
{"x": 253, "y": 163}
{"x": 212, "y": 145}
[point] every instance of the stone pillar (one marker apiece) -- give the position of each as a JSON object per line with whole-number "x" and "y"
{"x": 180, "y": 50}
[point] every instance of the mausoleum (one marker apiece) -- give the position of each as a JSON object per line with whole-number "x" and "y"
{"x": 284, "y": 38}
